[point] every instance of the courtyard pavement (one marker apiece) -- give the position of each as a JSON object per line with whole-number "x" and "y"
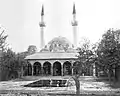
{"x": 88, "y": 86}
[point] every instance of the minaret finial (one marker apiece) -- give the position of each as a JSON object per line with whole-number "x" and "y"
{"x": 74, "y": 23}
{"x": 42, "y": 23}
{"x": 74, "y": 10}
{"x": 42, "y": 12}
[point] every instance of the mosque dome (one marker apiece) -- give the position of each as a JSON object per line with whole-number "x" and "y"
{"x": 44, "y": 50}
{"x": 59, "y": 44}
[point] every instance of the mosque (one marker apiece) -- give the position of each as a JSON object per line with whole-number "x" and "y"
{"x": 57, "y": 57}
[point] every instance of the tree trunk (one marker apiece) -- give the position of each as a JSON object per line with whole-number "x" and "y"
{"x": 77, "y": 88}
{"x": 21, "y": 71}
{"x": 109, "y": 75}
{"x": 77, "y": 84}
{"x": 117, "y": 72}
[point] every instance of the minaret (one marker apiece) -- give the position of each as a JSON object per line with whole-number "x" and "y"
{"x": 42, "y": 25}
{"x": 74, "y": 24}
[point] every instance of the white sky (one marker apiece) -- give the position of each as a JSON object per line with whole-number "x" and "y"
{"x": 21, "y": 20}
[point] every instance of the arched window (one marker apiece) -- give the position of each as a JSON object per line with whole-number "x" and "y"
{"x": 29, "y": 70}
{"x": 37, "y": 68}
{"x": 67, "y": 68}
{"x": 57, "y": 68}
{"x": 76, "y": 69}
{"x": 47, "y": 68}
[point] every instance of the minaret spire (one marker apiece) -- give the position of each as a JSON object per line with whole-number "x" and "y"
{"x": 74, "y": 10}
{"x": 42, "y": 12}
{"x": 74, "y": 24}
{"x": 42, "y": 25}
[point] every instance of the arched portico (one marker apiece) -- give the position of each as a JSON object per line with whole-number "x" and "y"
{"x": 54, "y": 68}
{"x": 57, "y": 69}
{"x": 67, "y": 70}
{"x": 47, "y": 68}
{"x": 37, "y": 69}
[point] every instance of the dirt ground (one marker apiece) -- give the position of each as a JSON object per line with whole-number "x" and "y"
{"x": 89, "y": 87}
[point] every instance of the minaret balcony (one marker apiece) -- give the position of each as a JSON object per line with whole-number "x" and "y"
{"x": 42, "y": 24}
{"x": 74, "y": 23}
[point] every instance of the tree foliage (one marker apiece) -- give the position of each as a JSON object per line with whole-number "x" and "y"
{"x": 9, "y": 60}
{"x": 3, "y": 38}
{"x": 13, "y": 62}
{"x": 85, "y": 59}
{"x": 108, "y": 51}
{"x": 32, "y": 49}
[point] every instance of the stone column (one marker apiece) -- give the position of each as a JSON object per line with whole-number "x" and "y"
{"x": 51, "y": 69}
{"x": 41, "y": 69}
{"x": 94, "y": 73}
{"x": 32, "y": 70}
{"x": 62, "y": 69}
{"x": 72, "y": 68}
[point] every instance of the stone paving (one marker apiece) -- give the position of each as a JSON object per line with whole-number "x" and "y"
{"x": 87, "y": 86}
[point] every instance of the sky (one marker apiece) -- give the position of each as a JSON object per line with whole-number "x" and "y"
{"x": 20, "y": 19}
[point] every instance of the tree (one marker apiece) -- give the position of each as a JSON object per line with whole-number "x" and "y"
{"x": 3, "y": 38}
{"x": 14, "y": 63}
{"x": 108, "y": 52}
{"x": 3, "y": 47}
{"x": 22, "y": 63}
{"x": 32, "y": 49}
{"x": 85, "y": 58}
{"x": 11, "y": 61}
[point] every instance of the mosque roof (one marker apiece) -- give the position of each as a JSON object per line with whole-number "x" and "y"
{"x": 57, "y": 48}
{"x": 52, "y": 55}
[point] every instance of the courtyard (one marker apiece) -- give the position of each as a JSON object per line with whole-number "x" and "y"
{"x": 89, "y": 85}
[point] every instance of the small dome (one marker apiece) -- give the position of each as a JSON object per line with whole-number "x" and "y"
{"x": 44, "y": 50}
{"x": 59, "y": 44}
{"x": 71, "y": 50}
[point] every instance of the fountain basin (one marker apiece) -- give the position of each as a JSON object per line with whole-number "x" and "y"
{"x": 48, "y": 83}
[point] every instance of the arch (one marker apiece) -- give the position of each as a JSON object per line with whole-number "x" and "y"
{"x": 75, "y": 67}
{"x": 67, "y": 70}
{"x": 47, "y": 68}
{"x": 29, "y": 70}
{"x": 56, "y": 68}
{"x": 36, "y": 68}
